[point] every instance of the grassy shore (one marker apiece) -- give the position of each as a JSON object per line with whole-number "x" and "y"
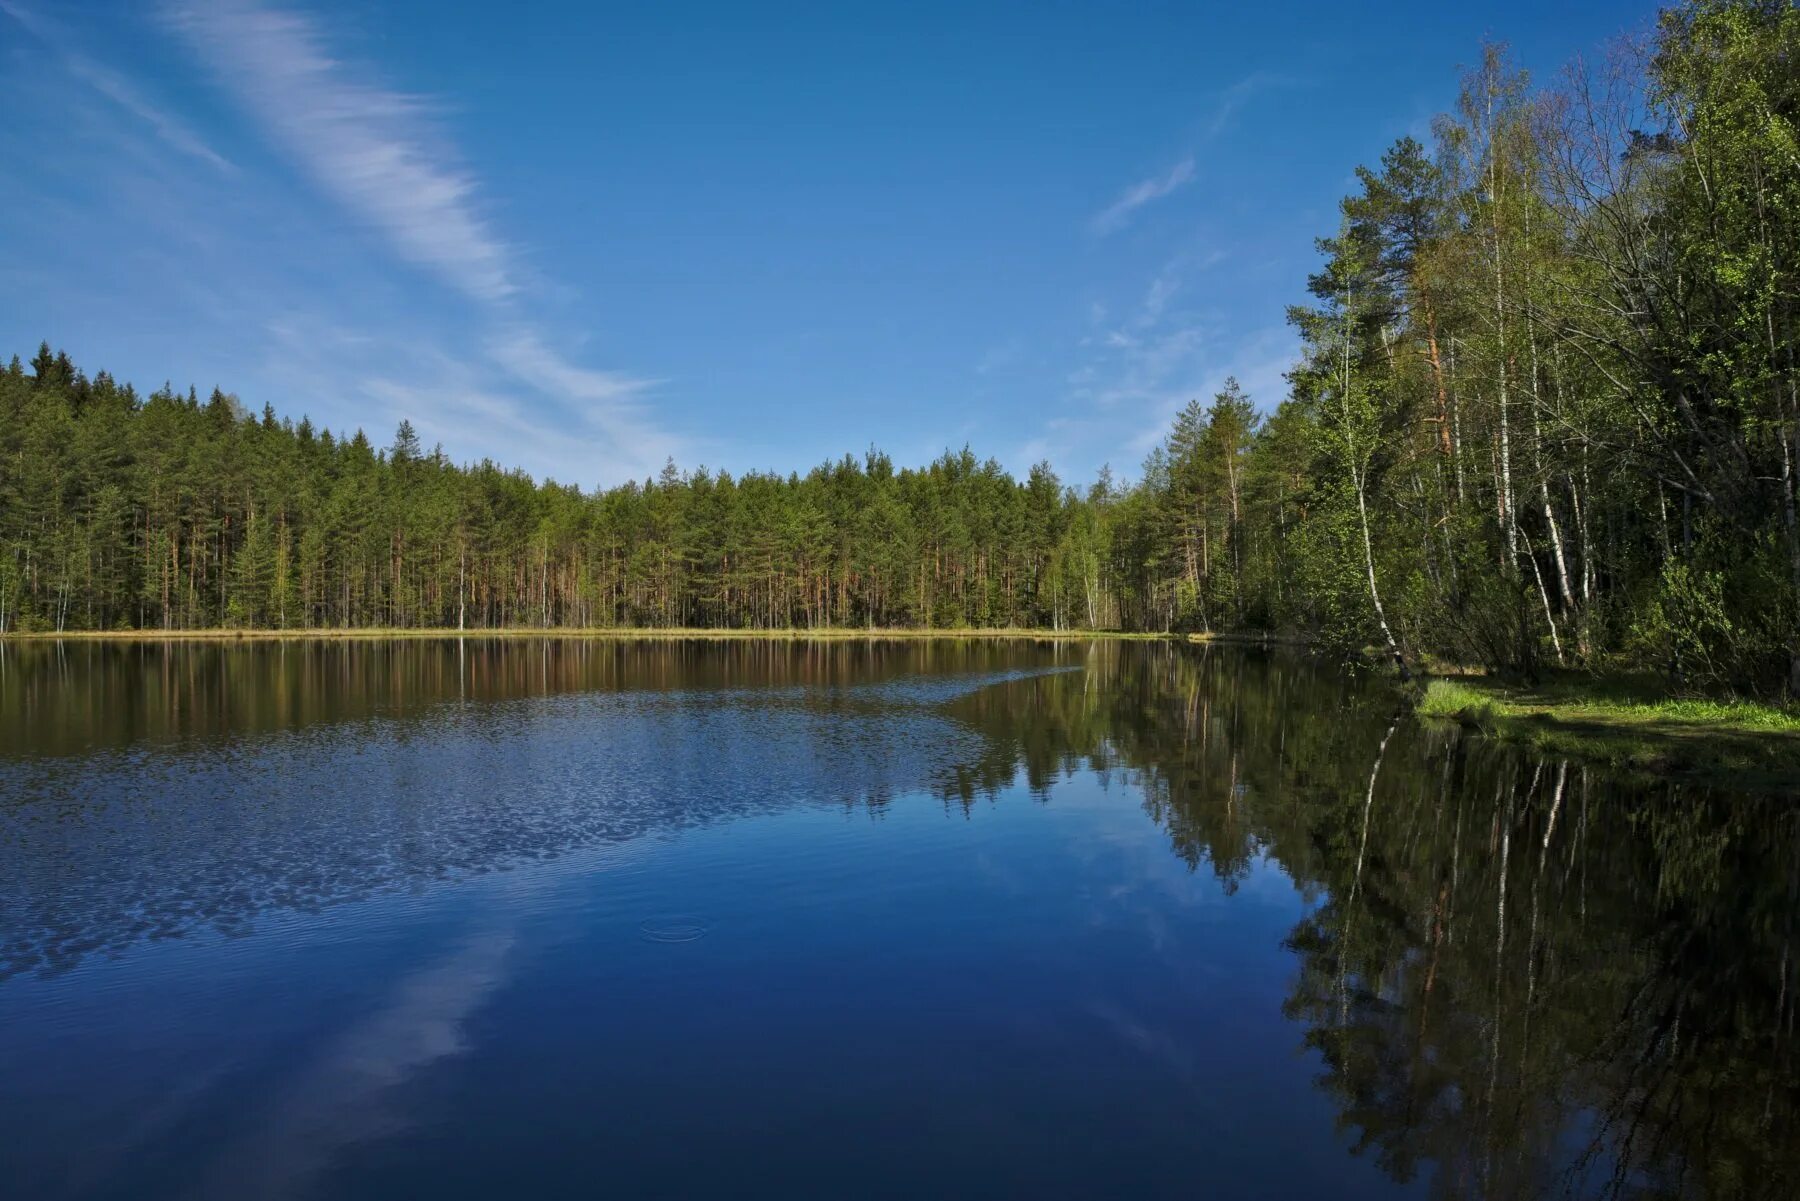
{"x": 832, "y": 633}
{"x": 1626, "y": 723}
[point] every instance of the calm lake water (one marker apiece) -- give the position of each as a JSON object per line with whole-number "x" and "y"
{"x": 845, "y": 920}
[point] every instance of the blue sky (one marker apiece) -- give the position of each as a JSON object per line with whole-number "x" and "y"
{"x": 580, "y": 238}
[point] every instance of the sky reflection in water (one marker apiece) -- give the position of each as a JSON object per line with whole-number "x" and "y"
{"x": 951, "y": 919}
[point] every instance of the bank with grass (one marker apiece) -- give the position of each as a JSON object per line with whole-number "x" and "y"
{"x": 1628, "y": 723}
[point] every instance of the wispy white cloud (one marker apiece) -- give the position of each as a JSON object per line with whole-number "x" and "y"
{"x": 1152, "y": 358}
{"x": 524, "y": 353}
{"x": 367, "y": 145}
{"x": 115, "y": 87}
{"x": 469, "y": 398}
{"x": 1135, "y": 324}
{"x": 1233, "y": 99}
{"x": 378, "y": 153}
{"x": 607, "y": 401}
{"x": 1118, "y": 214}
{"x": 1224, "y": 110}
{"x": 1146, "y": 358}
{"x": 1259, "y": 361}
{"x": 1142, "y": 367}
{"x": 1162, "y": 290}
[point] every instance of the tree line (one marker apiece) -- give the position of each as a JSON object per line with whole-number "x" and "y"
{"x": 169, "y": 512}
{"x": 1547, "y": 412}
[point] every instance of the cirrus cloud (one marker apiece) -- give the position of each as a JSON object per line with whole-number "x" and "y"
{"x": 1118, "y": 214}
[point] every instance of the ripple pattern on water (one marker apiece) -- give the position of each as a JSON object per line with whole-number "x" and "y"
{"x": 113, "y": 848}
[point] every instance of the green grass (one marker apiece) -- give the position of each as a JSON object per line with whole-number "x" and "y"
{"x": 1624, "y": 722}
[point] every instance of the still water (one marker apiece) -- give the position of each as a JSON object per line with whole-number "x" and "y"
{"x": 912, "y": 919}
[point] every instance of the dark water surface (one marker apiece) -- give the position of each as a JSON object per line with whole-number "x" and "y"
{"x": 947, "y": 919}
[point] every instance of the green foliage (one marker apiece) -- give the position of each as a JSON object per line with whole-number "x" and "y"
{"x": 1547, "y": 414}
{"x": 170, "y": 513}
{"x": 1629, "y": 722}
{"x": 1687, "y": 624}
{"x": 1459, "y": 702}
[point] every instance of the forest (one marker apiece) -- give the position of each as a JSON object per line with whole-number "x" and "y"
{"x": 1547, "y": 412}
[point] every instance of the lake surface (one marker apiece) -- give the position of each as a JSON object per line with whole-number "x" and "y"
{"x": 516, "y": 918}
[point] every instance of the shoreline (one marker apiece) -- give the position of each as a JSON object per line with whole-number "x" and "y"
{"x": 601, "y": 633}
{"x": 1619, "y": 721}
{"x": 1622, "y": 723}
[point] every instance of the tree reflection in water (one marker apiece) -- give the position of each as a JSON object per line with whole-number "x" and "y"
{"x": 1524, "y": 977}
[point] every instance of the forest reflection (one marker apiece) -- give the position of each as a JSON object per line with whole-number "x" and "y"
{"x": 74, "y": 697}
{"x": 1523, "y": 977}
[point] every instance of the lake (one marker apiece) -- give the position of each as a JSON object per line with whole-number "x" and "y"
{"x": 565, "y": 918}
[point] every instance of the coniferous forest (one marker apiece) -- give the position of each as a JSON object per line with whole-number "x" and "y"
{"x": 1547, "y": 412}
